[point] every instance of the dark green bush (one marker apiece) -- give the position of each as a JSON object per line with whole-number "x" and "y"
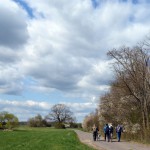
{"x": 59, "y": 126}
{"x": 38, "y": 121}
{"x": 8, "y": 120}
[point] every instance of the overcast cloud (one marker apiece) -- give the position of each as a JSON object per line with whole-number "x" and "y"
{"x": 49, "y": 47}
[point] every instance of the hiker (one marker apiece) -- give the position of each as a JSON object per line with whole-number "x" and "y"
{"x": 119, "y": 130}
{"x": 95, "y": 132}
{"x": 111, "y": 130}
{"x": 106, "y": 132}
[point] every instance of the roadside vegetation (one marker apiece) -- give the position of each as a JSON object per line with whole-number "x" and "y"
{"x": 128, "y": 100}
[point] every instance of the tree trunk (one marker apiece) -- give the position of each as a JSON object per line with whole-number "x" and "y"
{"x": 147, "y": 117}
{"x": 143, "y": 119}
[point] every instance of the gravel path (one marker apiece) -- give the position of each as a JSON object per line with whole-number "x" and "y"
{"x": 86, "y": 138}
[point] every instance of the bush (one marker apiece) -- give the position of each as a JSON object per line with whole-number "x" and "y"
{"x": 59, "y": 126}
{"x": 38, "y": 121}
{"x": 1, "y": 126}
{"x": 8, "y": 120}
{"x": 139, "y": 136}
{"x": 46, "y": 123}
{"x": 75, "y": 125}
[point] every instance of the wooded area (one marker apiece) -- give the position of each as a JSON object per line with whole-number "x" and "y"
{"x": 128, "y": 100}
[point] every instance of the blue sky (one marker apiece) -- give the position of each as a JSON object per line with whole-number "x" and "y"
{"x": 55, "y": 51}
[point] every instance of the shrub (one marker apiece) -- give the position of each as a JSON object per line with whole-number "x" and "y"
{"x": 73, "y": 125}
{"x": 1, "y": 126}
{"x": 8, "y": 120}
{"x": 37, "y": 121}
{"x": 59, "y": 126}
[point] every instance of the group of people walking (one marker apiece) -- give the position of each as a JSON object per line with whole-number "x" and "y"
{"x": 108, "y": 132}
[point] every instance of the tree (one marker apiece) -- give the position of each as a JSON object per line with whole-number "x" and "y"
{"x": 60, "y": 113}
{"x": 38, "y": 121}
{"x": 132, "y": 70}
{"x": 90, "y": 120}
{"x": 117, "y": 107}
{"x": 8, "y": 120}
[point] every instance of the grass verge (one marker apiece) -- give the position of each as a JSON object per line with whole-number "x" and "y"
{"x": 40, "y": 138}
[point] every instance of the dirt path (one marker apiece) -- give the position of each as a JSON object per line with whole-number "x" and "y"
{"x": 102, "y": 145}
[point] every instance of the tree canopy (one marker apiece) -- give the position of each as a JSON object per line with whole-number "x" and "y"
{"x": 8, "y": 120}
{"x": 60, "y": 113}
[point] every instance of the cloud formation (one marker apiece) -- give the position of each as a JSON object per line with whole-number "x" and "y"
{"x": 13, "y": 25}
{"x": 30, "y": 108}
{"x": 63, "y": 45}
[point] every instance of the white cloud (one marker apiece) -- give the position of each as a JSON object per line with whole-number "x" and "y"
{"x": 30, "y": 108}
{"x": 10, "y": 80}
{"x": 25, "y": 109}
{"x": 30, "y": 104}
{"x": 64, "y": 47}
{"x": 13, "y": 25}
{"x": 13, "y": 37}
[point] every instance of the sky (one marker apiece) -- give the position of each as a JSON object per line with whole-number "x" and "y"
{"x": 54, "y": 51}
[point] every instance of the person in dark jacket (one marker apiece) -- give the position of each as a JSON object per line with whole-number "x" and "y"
{"x": 95, "y": 132}
{"x": 111, "y": 130}
{"x": 106, "y": 132}
{"x": 119, "y": 130}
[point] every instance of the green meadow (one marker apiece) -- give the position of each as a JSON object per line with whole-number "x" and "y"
{"x": 40, "y": 139}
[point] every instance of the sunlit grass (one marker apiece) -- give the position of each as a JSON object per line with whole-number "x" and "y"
{"x": 40, "y": 139}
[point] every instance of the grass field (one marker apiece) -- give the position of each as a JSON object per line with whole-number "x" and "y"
{"x": 40, "y": 139}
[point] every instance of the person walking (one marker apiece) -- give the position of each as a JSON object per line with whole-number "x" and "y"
{"x": 106, "y": 132}
{"x": 119, "y": 130}
{"x": 111, "y": 130}
{"x": 95, "y": 132}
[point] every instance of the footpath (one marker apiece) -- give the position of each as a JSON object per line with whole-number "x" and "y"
{"x": 87, "y": 138}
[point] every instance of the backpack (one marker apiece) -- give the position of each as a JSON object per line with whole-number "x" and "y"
{"x": 119, "y": 129}
{"x": 111, "y": 129}
{"x": 106, "y": 129}
{"x": 94, "y": 129}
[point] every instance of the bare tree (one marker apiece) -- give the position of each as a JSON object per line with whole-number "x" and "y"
{"x": 37, "y": 121}
{"x": 118, "y": 107}
{"x": 60, "y": 113}
{"x": 90, "y": 120}
{"x": 132, "y": 70}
